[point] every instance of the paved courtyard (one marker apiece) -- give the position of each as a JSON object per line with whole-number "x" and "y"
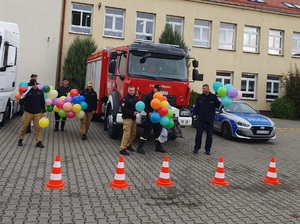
{"x": 89, "y": 166}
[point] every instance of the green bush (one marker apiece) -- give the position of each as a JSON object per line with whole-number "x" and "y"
{"x": 283, "y": 108}
{"x": 193, "y": 99}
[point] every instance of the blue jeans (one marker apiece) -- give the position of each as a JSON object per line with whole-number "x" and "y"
{"x": 209, "y": 125}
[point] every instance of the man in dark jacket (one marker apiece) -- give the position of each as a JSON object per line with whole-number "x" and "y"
{"x": 149, "y": 125}
{"x": 129, "y": 120}
{"x": 62, "y": 91}
{"x": 91, "y": 100}
{"x": 34, "y": 104}
{"x": 205, "y": 107}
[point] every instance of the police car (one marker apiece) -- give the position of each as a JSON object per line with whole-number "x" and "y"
{"x": 240, "y": 120}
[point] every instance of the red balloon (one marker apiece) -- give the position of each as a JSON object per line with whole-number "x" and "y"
{"x": 164, "y": 98}
{"x": 163, "y": 111}
{"x": 22, "y": 89}
{"x": 74, "y": 92}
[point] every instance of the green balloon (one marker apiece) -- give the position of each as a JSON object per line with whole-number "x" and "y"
{"x": 170, "y": 125}
{"x": 46, "y": 88}
{"x": 62, "y": 113}
{"x": 170, "y": 113}
{"x": 222, "y": 91}
{"x": 49, "y": 108}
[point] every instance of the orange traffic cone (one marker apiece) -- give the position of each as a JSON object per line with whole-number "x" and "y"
{"x": 219, "y": 178}
{"x": 271, "y": 177}
{"x": 55, "y": 181}
{"x": 119, "y": 179}
{"x": 164, "y": 176}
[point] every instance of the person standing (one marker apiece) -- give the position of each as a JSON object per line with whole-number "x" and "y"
{"x": 91, "y": 100}
{"x": 149, "y": 125}
{"x": 62, "y": 91}
{"x": 205, "y": 107}
{"x": 34, "y": 77}
{"x": 129, "y": 121}
{"x": 34, "y": 104}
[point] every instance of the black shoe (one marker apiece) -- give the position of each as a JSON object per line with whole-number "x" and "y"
{"x": 28, "y": 131}
{"x": 20, "y": 142}
{"x": 56, "y": 129}
{"x": 195, "y": 151}
{"x": 160, "y": 149}
{"x": 124, "y": 152}
{"x": 207, "y": 153}
{"x": 141, "y": 150}
{"x": 129, "y": 148}
{"x": 62, "y": 129}
{"x": 39, "y": 145}
{"x": 84, "y": 137}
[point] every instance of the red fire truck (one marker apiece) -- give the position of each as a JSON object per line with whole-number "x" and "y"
{"x": 142, "y": 65}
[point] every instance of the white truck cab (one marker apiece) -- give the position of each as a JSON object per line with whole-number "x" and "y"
{"x": 9, "y": 51}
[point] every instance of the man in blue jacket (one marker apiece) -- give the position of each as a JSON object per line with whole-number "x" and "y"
{"x": 205, "y": 107}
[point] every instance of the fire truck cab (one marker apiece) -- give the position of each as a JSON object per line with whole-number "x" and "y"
{"x": 142, "y": 65}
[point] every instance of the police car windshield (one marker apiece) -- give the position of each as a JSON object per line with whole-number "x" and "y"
{"x": 158, "y": 66}
{"x": 239, "y": 107}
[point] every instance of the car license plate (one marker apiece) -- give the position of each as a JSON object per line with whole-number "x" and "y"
{"x": 165, "y": 93}
{"x": 262, "y": 132}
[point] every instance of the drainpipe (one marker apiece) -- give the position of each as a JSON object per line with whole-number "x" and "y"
{"x": 59, "y": 70}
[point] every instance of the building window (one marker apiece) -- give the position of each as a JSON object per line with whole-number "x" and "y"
{"x": 259, "y": 1}
{"x": 114, "y": 23}
{"x": 248, "y": 86}
{"x": 224, "y": 77}
{"x": 275, "y": 42}
{"x": 251, "y": 39}
{"x": 227, "y": 36}
{"x": 144, "y": 26}
{"x": 202, "y": 31}
{"x": 290, "y": 5}
{"x": 81, "y": 19}
{"x": 296, "y": 44}
{"x": 273, "y": 87}
{"x": 176, "y": 23}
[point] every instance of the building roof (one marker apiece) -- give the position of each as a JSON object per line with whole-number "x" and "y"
{"x": 279, "y": 6}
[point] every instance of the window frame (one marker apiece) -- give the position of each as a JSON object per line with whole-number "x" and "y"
{"x": 113, "y": 30}
{"x": 201, "y": 27}
{"x": 81, "y": 11}
{"x": 222, "y": 76}
{"x": 223, "y": 45}
{"x": 274, "y": 38}
{"x": 273, "y": 79}
{"x": 248, "y": 80}
{"x": 251, "y": 34}
{"x": 296, "y": 52}
{"x": 145, "y": 22}
{"x": 175, "y": 24}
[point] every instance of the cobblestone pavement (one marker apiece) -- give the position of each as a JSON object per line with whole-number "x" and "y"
{"x": 89, "y": 166}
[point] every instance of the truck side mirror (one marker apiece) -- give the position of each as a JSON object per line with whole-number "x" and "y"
{"x": 113, "y": 55}
{"x": 112, "y": 67}
{"x": 195, "y": 63}
{"x": 196, "y": 75}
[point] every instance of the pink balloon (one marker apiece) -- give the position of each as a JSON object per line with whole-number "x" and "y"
{"x": 48, "y": 102}
{"x": 59, "y": 103}
{"x": 70, "y": 114}
{"x": 67, "y": 106}
{"x": 239, "y": 96}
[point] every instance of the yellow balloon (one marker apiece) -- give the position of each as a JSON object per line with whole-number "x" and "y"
{"x": 62, "y": 98}
{"x": 165, "y": 103}
{"x": 76, "y": 108}
{"x": 44, "y": 122}
{"x": 52, "y": 94}
{"x": 56, "y": 109}
{"x": 51, "y": 88}
{"x": 80, "y": 115}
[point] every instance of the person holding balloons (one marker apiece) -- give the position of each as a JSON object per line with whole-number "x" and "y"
{"x": 34, "y": 104}
{"x": 89, "y": 108}
{"x": 62, "y": 91}
{"x": 129, "y": 120}
{"x": 149, "y": 125}
{"x": 205, "y": 107}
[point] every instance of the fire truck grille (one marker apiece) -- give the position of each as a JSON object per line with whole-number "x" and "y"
{"x": 172, "y": 100}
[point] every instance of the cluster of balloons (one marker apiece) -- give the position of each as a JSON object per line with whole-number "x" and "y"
{"x": 69, "y": 106}
{"x": 227, "y": 93}
{"x": 162, "y": 110}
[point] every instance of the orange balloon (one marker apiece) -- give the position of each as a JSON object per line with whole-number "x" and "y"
{"x": 158, "y": 95}
{"x": 18, "y": 96}
{"x": 155, "y": 104}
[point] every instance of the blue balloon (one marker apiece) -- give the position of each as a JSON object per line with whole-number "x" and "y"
{"x": 84, "y": 105}
{"x": 76, "y": 100}
{"x": 140, "y": 106}
{"x": 226, "y": 101}
{"x": 164, "y": 121}
{"x": 81, "y": 98}
{"x": 23, "y": 84}
{"x": 228, "y": 87}
{"x": 155, "y": 117}
{"x": 217, "y": 85}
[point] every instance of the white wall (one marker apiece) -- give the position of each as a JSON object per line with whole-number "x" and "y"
{"x": 39, "y": 22}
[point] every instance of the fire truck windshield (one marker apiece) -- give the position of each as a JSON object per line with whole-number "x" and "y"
{"x": 157, "y": 66}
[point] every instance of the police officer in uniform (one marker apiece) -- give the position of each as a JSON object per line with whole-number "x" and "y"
{"x": 129, "y": 121}
{"x": 149, "y": 125}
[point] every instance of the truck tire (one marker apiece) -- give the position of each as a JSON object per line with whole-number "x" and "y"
{"x": 6, "y": 115}
{"x": 114, "y": 130}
